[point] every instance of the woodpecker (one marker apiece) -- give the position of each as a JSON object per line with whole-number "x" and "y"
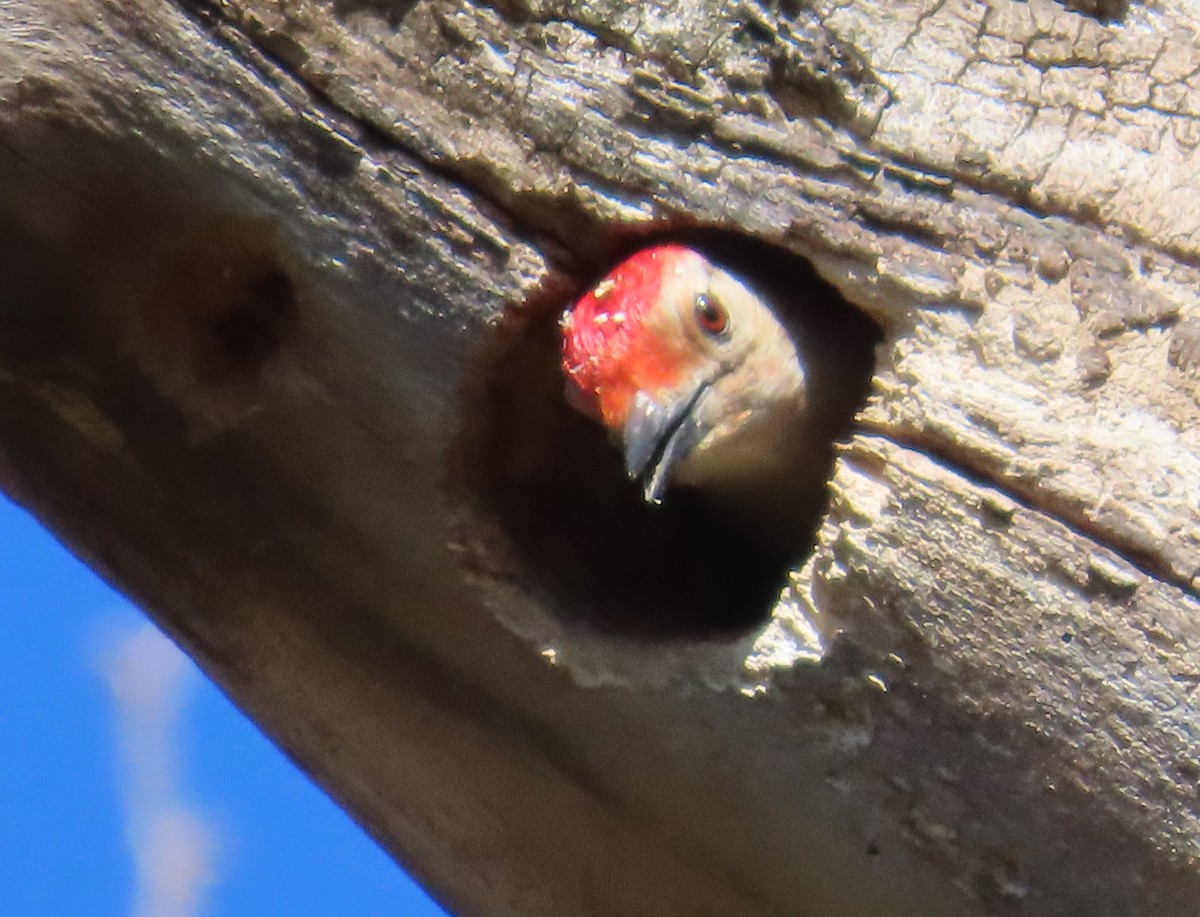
{"x": 692, "y": 375}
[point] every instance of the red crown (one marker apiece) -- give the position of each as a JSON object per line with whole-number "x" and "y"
{"x": 601, "y": 331}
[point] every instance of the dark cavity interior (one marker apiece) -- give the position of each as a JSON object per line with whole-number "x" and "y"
{"x": 549, "y": 506}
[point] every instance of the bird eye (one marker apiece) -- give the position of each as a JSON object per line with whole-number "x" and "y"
{"x": 711, "y": 316}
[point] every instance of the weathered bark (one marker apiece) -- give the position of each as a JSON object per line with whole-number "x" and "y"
{"x": 254, "y": 255}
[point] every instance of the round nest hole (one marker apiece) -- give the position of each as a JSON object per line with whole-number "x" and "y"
{"x": 550, "y": 509}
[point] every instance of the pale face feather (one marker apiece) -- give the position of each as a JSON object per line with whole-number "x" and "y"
{"x": 754, "y": 378}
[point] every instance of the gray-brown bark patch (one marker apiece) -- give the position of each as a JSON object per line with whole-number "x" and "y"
{"x": 1183, "y": 351}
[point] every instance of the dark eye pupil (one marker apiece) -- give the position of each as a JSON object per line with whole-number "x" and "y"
{"x": 712, "y": 315}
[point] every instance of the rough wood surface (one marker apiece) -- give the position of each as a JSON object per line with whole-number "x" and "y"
{"x": 255, "y": 258}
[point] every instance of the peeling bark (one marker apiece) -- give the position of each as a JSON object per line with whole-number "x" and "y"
{"x": 257, "y": 256}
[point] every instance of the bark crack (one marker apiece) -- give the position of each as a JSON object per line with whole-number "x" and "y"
{"x": 1136, "y": 551}
{"x": 339, "y": 121}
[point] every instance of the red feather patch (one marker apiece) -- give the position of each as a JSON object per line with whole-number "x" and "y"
{"x": 607, "y": 353}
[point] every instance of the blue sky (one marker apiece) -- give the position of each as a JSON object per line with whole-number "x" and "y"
{"x": 77, "y": 771}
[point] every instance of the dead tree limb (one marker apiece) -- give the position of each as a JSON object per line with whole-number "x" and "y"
{"x": 255, "y": 257}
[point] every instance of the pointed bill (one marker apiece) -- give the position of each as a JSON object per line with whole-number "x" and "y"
{"x": 659, "y": 435}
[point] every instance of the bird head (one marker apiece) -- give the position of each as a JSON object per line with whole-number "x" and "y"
{"x": 684, "y": 365}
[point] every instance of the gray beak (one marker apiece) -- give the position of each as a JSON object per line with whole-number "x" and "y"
{"x": 659, "y": 435}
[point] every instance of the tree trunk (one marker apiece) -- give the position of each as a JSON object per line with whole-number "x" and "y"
{"x": 276, "y": 359}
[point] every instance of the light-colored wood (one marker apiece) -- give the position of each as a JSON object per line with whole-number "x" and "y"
{"x": 256, "y": 257}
